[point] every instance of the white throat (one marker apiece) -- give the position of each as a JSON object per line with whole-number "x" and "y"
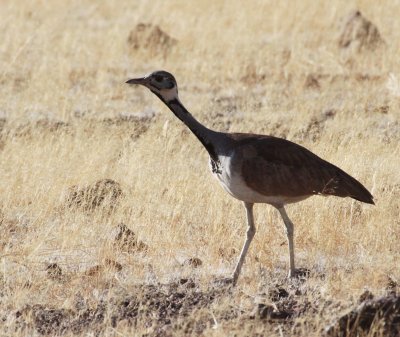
{"x": 169, "y": 94}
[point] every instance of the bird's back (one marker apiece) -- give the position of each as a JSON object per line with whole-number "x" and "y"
{"x": 274, "y": 166}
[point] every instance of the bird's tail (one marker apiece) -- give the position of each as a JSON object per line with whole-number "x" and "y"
{"x": 350, "y": 187}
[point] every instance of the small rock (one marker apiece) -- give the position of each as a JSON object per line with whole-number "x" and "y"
{"x": 194, "y": 262}
{"x": 302, "y": 273}
{"x": 188, "y": 283}
{"x": 391, "y": 286}
{"x": 365, "y": 296}
{"x": 268, "y": 311}
{"x": 54, "y": 271}
{"x": 262, "y": 311}
{"x": 277, "y": 293}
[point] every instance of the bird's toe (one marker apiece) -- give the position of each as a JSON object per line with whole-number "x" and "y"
{"x": 224, "y": 282}
{"x": 299, "y": 273}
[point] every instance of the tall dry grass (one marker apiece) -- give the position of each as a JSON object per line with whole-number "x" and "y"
{"x": 240, "y": 67}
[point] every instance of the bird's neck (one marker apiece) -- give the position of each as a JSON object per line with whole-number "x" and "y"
{"x": 206, "y": 136}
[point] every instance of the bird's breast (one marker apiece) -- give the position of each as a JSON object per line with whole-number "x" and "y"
{"x": 227, "y": 170}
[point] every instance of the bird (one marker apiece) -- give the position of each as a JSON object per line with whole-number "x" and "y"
{"x": 257, "y": 168}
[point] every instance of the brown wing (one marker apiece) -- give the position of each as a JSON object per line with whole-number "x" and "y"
{"x": 275, "y": 166}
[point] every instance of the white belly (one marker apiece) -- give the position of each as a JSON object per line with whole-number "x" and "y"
{"x": 233, "y": 182}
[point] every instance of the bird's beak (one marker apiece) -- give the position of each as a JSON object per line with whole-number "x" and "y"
{"x": 142, "y": 81}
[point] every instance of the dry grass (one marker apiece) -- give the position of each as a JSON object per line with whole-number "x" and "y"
{"x": 265, "y": 67}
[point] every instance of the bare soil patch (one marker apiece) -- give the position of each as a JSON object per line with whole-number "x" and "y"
{"x": 165, "y": 308}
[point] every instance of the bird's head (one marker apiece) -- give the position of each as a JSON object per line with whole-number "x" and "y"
{"x": 161, "y": 83}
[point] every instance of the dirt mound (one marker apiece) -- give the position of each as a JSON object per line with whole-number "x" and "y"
{"x": 51, "y": 321}
{"x": 314, "y": 128}
{"x": 127, "y": 241}
{"x": 99, "y": 269}
{"x": 163, "y": 303}
{"x": 359, "y": 33}
{"x": 382, "y": 314}
{"x": 157, "y": 305}
{"x": 105, "y": 193}
{"x": 137, "y": 125}
{"x": 150, "y": 38}
{"x": 182, "y": 305}
{"x": 41, "y": 126}
{"x": 133, "y": 125}
{"x": 312, "y": 82}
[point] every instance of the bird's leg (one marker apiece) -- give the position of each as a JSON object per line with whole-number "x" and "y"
{"x": 289, "y": 232}
{"x": 251, "y": 231}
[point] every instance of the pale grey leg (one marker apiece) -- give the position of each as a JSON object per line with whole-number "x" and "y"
{"x": 251, "y": 231}
{"x": 289, "y": 232}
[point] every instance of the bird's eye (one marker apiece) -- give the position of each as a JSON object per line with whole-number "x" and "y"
{"x": 158, "y": 78}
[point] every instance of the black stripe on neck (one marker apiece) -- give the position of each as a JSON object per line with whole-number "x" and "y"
{"x": 202, "y": 138}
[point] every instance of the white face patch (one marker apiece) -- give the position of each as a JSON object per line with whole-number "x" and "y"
{"x": 169, "y": 94}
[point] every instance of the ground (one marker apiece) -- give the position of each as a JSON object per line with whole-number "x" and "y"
{"x": 111, "y": 223}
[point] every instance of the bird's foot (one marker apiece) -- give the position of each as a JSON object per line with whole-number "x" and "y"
{"x": 224, "y": 282}
{"x": 300, "y": 273}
